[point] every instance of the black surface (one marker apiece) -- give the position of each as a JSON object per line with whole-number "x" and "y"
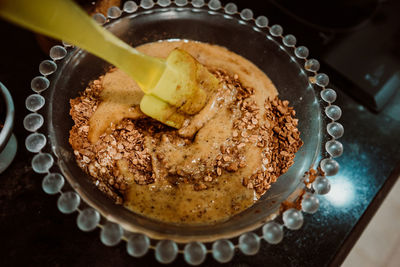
{"x": 35, "y": 233}
{"x": 356, "y": 40}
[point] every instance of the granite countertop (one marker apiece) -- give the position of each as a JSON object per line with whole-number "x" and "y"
{"x": 34, "y": 232}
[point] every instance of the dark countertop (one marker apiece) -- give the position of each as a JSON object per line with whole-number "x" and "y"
{"x": 34, "y": 232}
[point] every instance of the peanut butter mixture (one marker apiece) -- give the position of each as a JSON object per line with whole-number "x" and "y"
{"x": 217, "y": 165}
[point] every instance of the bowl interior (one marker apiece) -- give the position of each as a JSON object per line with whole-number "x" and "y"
{"x": 286, "y": 72}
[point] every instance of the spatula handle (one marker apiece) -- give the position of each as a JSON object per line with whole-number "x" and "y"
{"x": 64, "y": 20}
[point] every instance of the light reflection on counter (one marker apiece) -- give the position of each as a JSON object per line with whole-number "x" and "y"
{"x": 342, "y": 191}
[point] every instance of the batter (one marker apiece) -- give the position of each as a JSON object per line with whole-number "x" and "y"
{"x": 217, "y": 165}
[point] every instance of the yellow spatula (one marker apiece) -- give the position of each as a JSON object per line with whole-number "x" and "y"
{"x": 174, "y": 88}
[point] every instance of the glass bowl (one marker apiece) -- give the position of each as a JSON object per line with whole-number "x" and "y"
{"x": 295, "y": 77}
{"x": 8, "y": 142}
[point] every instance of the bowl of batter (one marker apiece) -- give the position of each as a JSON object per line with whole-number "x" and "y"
{"x": 228, "y": 169}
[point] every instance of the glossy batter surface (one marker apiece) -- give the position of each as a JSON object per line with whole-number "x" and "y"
{"x": 216, "y": 166}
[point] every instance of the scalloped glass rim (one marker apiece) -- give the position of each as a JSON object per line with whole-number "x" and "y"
{"x": 270, "y": 234}
{"x": 140, "y": 223}
{"x": 249, "y": 246}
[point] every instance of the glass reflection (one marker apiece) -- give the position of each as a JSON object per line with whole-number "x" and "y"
{"x": 342, "y": 191}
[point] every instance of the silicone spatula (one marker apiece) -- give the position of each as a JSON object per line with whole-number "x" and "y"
{"x": 173, "y": 87}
